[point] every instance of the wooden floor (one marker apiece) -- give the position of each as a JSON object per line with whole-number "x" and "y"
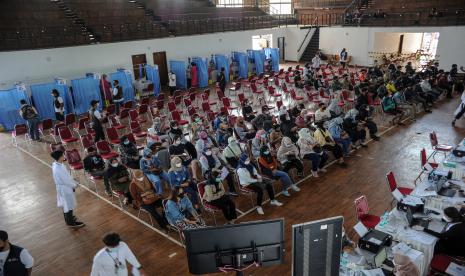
{"x": 28, "y": 202}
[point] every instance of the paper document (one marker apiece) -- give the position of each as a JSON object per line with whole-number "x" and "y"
{"x": 455, "y": 269}
{"x": 373, "y": 272}
{"x": 412, "y": 200}
{"x": 375, "y": 241}
{"x": 224, "y": 173}
{"x": 397, "y": 195}
{"x": 360, "y": 229}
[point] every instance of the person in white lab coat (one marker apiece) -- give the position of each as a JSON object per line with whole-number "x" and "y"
{"x": 65, "y": 186}
{"x": 112, "y": 259}
{"x": 460, "y": 109}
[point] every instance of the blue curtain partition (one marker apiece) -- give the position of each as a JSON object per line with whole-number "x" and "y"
{"x": 274, "y": 55}
{"x": 242, "y": 59}
{"x": 153, "y": 76}
{"x": 125, "y": 80}
{"x": 84, "y": 91}
{"x": 259, "y": 58}
{"x": 222, "y": 61}
{"x": 43, "y": 100}
{"x": 179, "y": 69}
{"x": 202, "y": 70}
{"x": 9, "y": 107}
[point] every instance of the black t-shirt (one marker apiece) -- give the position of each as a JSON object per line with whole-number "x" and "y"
{"x": 94, "y": 162}
{"x": 177, "y": 150}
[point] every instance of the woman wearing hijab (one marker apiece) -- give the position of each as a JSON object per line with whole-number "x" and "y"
{"x": 258, "y": 142}
{"x": 232, "y": 152}
{"x": 404, "y": 266}
{"x": 178, "y": 176}
{"x": 311, "y": 150}
{"x": 242, "y": 130}
{"x": 151, "y": 167}
{"x": 288, "y": 156}
{"x": 334, "y": 108}
{"x": 174, "y": 131}
{"x": 129, "y": 153}
{"x": 180, "y": 212}
{"x": 179, "y": 149}
{"x": 118, "y": 176}
{"x": 452, "y": 241}
{"x": 288, "y": 127}
{"x": 351, "y": 127}
{"x": 247, "y": 111}
{"x": 215, "y": 195}
{"x": 276, "y": 138}
{"x": 323, "y": 137}
{"x": 203, "y": 142}
{"x": 249, "y": 178}
{"x": 339, "y": 135}
{"x": 210, "y": 162}
{"x": 269, "y": 167}
{"x": 194, "y": 75}
{"x": 144, "y": 197}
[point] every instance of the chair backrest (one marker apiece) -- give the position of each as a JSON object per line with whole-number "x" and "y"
{"x": 143, "y": 108}
{"x": 103, "y": 146}
{"x": 206, "y": 106}
{"x": 201, "y": 188}
{"x": 175, "y": 115}
{"x": 111, "y": 109}
{"x": 226, "y": 102}
{"x": 276, "y": 81}
{"x": 86, "y": 141}
{"x": 237, "y": 86}
{"x": 178, "y": 99}
{"x": 187, "y": 102}
{"x": 293, "y": 95}
{"x": 135, "y": 127}
{"x": 192, "y": 96}
{"x": 191, "y": 111}
{"x": 271, "y": 90}
{"x": 133, "y": 114}
{"x": 161, "y": 97}
{"x": 73, "y": 156}
{"x": 210, "y": 116}
{"x": 220, "y": 94}
{"x": 70, "y": 119}
{"x": 112, "y": 133}
{"x": 124, "y": 113}
{"x": 345, "y": 94}
{"x": 46, "y": 124}
{"x": 113, "y": 120}
{"x": 88, "y": 128}
{"x": 171, "y": 106}
{"x": 224, "y": 110}
{"x": 131, "y": 137}
{"x": 253, "y": 86}
{"x": 279, "y": 103}
{"x": 128, "y": 104}
{"x": 433, "y": 138}
{"x": 145, "y": 100}
{"x": 160, "y": 104}
{"x": 391, "y": 181}
{"x": 361, "y": 206}
{"x": 423, "y": 157}
{"x": 82, "y": 123}
{"x": 241, "y": 97}
{"x": 65, "y": 133}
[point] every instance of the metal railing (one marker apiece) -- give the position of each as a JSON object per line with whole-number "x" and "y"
{"x": 308, "y": 32}
{"x": 321, "y": 3}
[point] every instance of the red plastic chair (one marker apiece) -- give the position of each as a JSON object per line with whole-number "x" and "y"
{"x": 143, "y": 111}
{"x": 424, "y": 160}
{"x": 207, "y": 206}
{"x": 111, "y": 109}
{"x": 70, "y": 119}
{"x": 227, "y": 104}
{"x": 177, "y": 117}
{"x": 272, "y": 93}
{"x": 145, "y": 100}
{"x": 46, "y": 127}
{"x": 123, "y": 114}
{"x": 19, "y": 130}
{"x": 236, "y": 86}
{"x": 104, "y": 150}
{"x": 220, "y": 94}
{"x": 241, "y": 98}
{"x": 134, "y": 115}
{"x": 362, "y": 211}
{"x": 206, "y": 98}
{"x": 55, "y": 133}
{"x": 294, "y": 96}
{"x": 89, "y": 129}
{"x": 114, "y": 122}
{"x": 66, "y": 136}
{"x": 171, "y": 106}
{"x": 391, "y": 180}
{"x": 137, "y": 130}
{"x": 433, "y": 138}
{"x": 128, "y": 105}
{"x": 81, "y": 125}
{"x": 253, "y": 86}
{"x": 113, "y": 136}
{"x": 87, "y": 141}
{"x": 74, "y": 160}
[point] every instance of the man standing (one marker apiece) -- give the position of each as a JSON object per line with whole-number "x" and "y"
{"x": 96, "y": 117}
{"x": 111, "y": 260}
{"x": 172, "y": 82}
{"x": 117, "y": 95}
{"x": 59, "y": 106}
{"x": 65, "y": 186}
{"x": 343, "y": 57}
{"x": 222, "y": 80}
{"x": 30, "y": 114}
{"x": 14, "y": 260}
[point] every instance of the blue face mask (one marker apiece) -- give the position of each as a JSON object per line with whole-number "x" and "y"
{"x": 266, "y": 152}
{"x": 218, "y": 179}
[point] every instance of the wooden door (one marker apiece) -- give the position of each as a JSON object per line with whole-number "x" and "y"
{"x": 139, "y": 61}
{"x": 159, "y": 58}
{"x": 281, "y": 44}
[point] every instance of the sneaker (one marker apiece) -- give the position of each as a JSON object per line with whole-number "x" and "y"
{"x": 286, "y": 193}
{"x": 260, "y": 210}
{"x": 453, "y": 123}
{"x": 322, "y": 170}
{"x": 108, "y": 192}
{"x": 315, "y": 174}
{"x": 276, "y": 203}
{"x": 295, "y": 188}
{"x": 77, "y": 224}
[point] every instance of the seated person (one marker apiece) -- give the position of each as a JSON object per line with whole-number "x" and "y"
{"x": 179, "y": 149}
{"x": 403, "y": 105}
{"x": 232, "y": 152}
{"x": 276, "y": 137}
{"x": 258, "y": 142}
{"x": 261, "y": 119}
{"x": 95, "y": 166}
{"x": 249, "y": 178}
{"x": 322, "y": 113}
{"x": 203, "y": 142}
{"x": 452, "y": 241}
{"x": 247, "y": 111}
{"x": 324, "y": 138}
{"x": 175, "y": 131}
{"x": 119, "y": 179}
{"x": 311, "y": 150}
{"x": 180, "y": 212}
{"x": 288, "y": 156}
{"x": 223, "y": 132}
{"x": 269, "y": 167}
{"x": 242, "y": 130}
{"x": 146, "y": 198}
{"x": 336, "y": 85}
{"x": 157, "y": 131}
{"x": 339, "y": 135}
{"x": 334, "y": 108}
{"x": 365, "y": 120}
{"x": 178, "y": 176}
{"x": 354, "y": 129}
{"x": 390, "y": 107}
{"x": 215, "y": 195}
{"x": 210, "y": 161}
{"x": 129, "y": 153}
{"x": 198, "y": 124}
{"x": 151, "y": 167}
{"x": 288, "y": 127}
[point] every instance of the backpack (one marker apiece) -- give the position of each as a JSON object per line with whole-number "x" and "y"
{"x": 28, "y": 112}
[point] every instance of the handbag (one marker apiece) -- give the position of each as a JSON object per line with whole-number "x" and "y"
{"x": 148, "y": 197}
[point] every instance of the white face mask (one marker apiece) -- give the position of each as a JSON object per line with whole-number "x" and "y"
{"x": 177, "y": 143}
{"x": 247, "y": 162}
{"x": 178, "y": 165}
{"x": 114, "y": 165}
{"x": 208, "y": 152}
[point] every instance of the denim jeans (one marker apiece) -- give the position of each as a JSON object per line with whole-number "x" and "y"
{"x": 33, "y": 127}
{"x": 286, "y": 181}
{"x": 345, "y": 144}
{"x": 315, "y": 159}
{"x": 156, "y": 181}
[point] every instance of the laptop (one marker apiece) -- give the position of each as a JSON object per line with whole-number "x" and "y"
{"x": 428, "y": 225}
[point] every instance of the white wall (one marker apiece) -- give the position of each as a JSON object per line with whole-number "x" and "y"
{"x": 360, "y": 40}
{"x": 412, "y": 42}
{"x": 43, "y": 65}
{"x": 386, "y": 42}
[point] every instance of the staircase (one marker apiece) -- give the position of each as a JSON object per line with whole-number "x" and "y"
{"x": 312, "y": 47}
{"x": 77, "y": 21}
{"x": 366, "y": 5}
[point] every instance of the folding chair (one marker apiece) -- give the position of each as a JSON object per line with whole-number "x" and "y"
{"x": 207, "y": 206}
{"x": 105, "y": 151}
{"x": 444, "y": 148}
{"x": 74, "y": 161}
{"x": 228, "y": 106}
{"x": 81, "y": 125}
{"x": 362, "y": 211}
{"x": 113, "y": 136}
{"x": 143, "y": 112}
{"x": 294, "y": 96}
{"x": 115, "y": 123}
{"x": 136, "y": 130}
{"x": 177, "y": 117}
{"x": 66, "y": 136}
{"x": 391, "y": 181}
{"x": 134, "y": 115}
{"x": 46, "y": 127}
{"x": 70, "y": 119}
{"x": 19, "y": 130}
{"x": 87, "y": 141}
{"x": 424, "y": 164}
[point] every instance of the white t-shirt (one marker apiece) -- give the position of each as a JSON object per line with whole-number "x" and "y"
{"x": 172, "y": 78}
{"x": 97, "y": 114}
{"x": 61, "y": 108}
{"x": 25, "y": 258}
{"x": 105, "y": 260}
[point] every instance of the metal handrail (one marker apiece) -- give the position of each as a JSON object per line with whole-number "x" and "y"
{"x": 308, "y": 32}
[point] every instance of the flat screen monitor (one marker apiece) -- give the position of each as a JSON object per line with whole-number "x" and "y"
{"x": 231, "y": 245}
{"x": 316, "y": 247}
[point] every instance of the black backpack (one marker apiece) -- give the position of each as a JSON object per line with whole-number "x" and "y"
{"x": 28, "y": 112}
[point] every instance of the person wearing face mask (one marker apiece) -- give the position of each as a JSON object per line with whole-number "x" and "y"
{"x": 269, "y": 167}
{"x": 198, "y": 125}
{"x": 352, "y": 127}
{"x": 222, "y": 133}
{"x": 339, "y": 135}
{"x": 203, "y": 142}
{"x": 180, "y": 212}
{"x": 324, "y": 139}
{"x": 247, "y": 111}
{"x": 14, "y": 260}
{"x": 311, "y": 150}
{"x": 144, "y": 197}
{"x": 288, "y": 127}
{"x": 215, "y": 195}
{"x": 65, "y": 186}
{"x": 334, "y": 108}
{"x": 178, "y": 176}
{"x": 210, "y": 161}
{"x": 96, "y": 118}
{"x": 174, "y": 131}
{"x": 276, "y": 137}
{"x": 118, "y": 96}
{"x": 58, "y": 105}
{"x": 322, "y": 113}
{"x": 258, "y": 142}
{"x": 452, "y": 240}
{"x": 179, "y": 149}
{"x": 242, "y": 131}
{"x": 232, "y": 152}
{"x": 95, "y": 166}
{"x": 260, "y": 120}
{"x": 113, "y": 258}
{"x": 250, "y": 179}
{"x": 288, "y": 156}
{"x": 151, "y": 167}
{"x": 129, "y": 153}
{"x": 119, "y": 179}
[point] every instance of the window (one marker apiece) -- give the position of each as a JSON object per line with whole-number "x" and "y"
{"x": 281, "y": 7}
{"x": 230, "y": 3}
